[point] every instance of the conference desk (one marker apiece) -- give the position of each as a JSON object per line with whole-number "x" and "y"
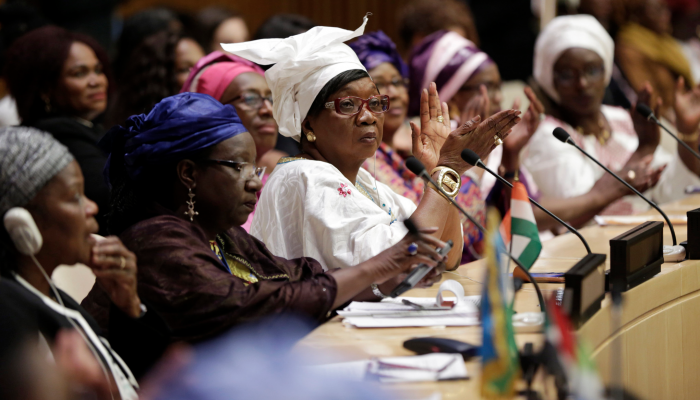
{"x": 660, "y": 328}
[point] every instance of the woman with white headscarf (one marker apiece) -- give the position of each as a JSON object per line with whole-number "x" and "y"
{"x": 322, "y": 204}
{"x": 573, "y": 65}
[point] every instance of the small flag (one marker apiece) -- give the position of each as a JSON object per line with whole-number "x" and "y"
{"x": 499, "y": 353}
{"x": 519, "y": 229}
{"x": 573, "y": 357}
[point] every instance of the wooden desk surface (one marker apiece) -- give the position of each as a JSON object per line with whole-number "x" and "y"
{"x": 646, "y": 322}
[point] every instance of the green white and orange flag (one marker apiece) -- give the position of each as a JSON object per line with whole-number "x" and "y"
{"x": 519, "y": 229}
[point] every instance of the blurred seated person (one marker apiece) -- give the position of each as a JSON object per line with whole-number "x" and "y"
{"x": 39, "y": 174}
{"x": 573, "y": 65}
{"x": 282, "y": 26}
{"x": 185, "y": 180}
{"x": 218, "y": 25}
{"x": 241, "y": 83}
{"x": 158, "y": 68}
{"x": 419, "y": 19}
{"x": 61, "y": 82}
{"x": 322, "y": 203}
{"x": 646, "y": 52}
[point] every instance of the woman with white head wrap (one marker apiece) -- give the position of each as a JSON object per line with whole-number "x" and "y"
{"x": 573, "y": 65}
{"x": 322, "y": 204}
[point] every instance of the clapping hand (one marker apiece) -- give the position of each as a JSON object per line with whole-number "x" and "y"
{"x": 431, "y": 135}
{"x": 522, "y": 132}
{"x": 478, "y": 105}
{"x": 647, "y": 131}
{"x": 687, "y": 108}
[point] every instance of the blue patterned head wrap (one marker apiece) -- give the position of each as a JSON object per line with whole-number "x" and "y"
{"x": 375, "y": 48}
{"x": 177, "y": 127}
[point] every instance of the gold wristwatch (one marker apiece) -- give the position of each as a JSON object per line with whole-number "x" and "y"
{"x": 448, "y": 180}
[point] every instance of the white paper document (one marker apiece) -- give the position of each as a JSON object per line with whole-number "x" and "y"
{"x": 421, "y": 311}
{"x": 425, "y": 368}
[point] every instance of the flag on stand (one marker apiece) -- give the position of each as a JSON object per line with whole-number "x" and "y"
{"x": 519, "y": 229}
{"x": 572, "y": 357}
{"x": 499, "y": 353}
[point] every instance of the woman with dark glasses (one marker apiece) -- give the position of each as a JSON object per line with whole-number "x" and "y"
{"x": 184, "y": 179}
{"x": 321, "y": 203}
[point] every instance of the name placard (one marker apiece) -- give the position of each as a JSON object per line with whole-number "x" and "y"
{"x": 636, "y": 255}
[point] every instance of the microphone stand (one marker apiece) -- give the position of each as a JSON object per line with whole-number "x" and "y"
{"x": 651, "y": 203}
{"x": 427, "y": 177}
{"x": 652, "y": 117}
{"x": 480, "y": 164}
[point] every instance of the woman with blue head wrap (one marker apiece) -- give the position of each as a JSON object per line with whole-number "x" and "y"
{"x": 184, "y": 179}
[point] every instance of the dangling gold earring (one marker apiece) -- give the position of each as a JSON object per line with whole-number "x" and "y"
{"x": 47, "y": 104}
{"x": 190, "y": 206}
{"x": 310, "y": 137}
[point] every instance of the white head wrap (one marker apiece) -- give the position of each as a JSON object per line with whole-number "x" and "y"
{"x": 563, "y": 33}
{"x": 304, "y": 63}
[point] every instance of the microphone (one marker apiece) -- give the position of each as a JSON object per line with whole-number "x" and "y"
{"x": 564, "y": 137}
{"x": 418, "y": 168}
{"x": 646, "y": 112}
{"x": 473, "y": 159}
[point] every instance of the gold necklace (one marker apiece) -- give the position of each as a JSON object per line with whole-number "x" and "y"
{"x": 604, "y": 133}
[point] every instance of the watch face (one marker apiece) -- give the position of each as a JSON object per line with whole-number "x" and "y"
{"x": 449, "y": 180}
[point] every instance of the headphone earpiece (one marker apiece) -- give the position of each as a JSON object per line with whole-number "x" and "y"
{"x": 23, "y": 231}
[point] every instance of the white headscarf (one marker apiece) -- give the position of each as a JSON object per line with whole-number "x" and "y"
{"x": 563, "y": 33}
{"x": 304, "y": 63}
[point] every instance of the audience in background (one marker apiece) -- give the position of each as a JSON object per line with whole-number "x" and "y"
{"x": 216, "y": 25}
{"x": 137, "y": 28}
{"x": 573, "y": 65}
{"x": 61, "y": 81}
{"x": 420, "y": 18}
{"x": 156, "y": 69}
{"x": 282, "y": 26}
{"x": 646, "y": 52}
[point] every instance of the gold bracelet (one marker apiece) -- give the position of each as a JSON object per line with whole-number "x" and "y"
{"x": 448, "y": 180}
{"x": 436, "y": 190}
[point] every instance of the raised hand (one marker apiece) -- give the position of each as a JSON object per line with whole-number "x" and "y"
{"x": 522, "y": 132}
{"x": 114, "y": 267}
{"x": 479, "y": 136}
{"x": 478, "y": 105}
{"x": 430, "y": 136}
{"x": 647, "y": 131}
{"x": 687, "y": 108}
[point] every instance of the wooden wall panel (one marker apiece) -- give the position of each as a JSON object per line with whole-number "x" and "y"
{"x": 343, "y": 14}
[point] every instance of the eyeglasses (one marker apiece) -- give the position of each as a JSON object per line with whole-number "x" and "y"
{"x": 247, "y": 170}
{"x": 352, "y": 105}
{"x": 252, "y": 100}
{"x": 397, "y": 83}
{"x": 569, "y": 77}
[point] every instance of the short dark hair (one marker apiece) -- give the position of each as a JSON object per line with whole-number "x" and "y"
{"x": 34, "y": 64}
{"x": 429, "y": 16}
{"x": 282, "y": 26}
{"x": 207, "y": 22}
{"x": 333, "y": 86}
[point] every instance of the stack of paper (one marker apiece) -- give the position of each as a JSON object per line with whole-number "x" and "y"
{"x": 425, "y": 311}
{"x": 425, "y": 368}
{"x": 605, "y": 220}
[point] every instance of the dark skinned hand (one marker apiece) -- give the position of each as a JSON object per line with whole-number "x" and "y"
{"x": 119, "y": 283}
{"x": 647, "y": 131}
{"x": 522, "y": 132}
{"x": 396, "y": 259}
{"x": 687, "y": 108}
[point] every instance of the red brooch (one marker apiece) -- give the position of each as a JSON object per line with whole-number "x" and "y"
{"x": 344, "y": 190}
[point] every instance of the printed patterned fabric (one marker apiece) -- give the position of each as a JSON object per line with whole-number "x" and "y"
{"x": 391, "y": 171}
